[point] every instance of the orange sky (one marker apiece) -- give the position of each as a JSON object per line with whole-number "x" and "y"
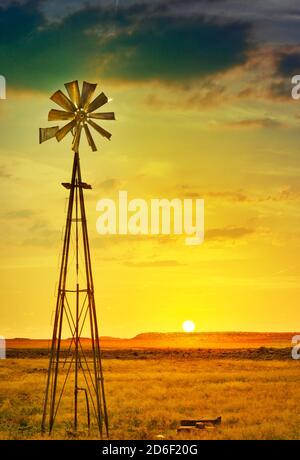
{"x": 223, "y": 137}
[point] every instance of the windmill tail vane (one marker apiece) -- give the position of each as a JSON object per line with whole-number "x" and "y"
{"x": 79, "y": 112}
{"x": 72, "y": 362}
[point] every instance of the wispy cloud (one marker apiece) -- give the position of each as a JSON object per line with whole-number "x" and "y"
{"x": 155, "y": 263}
{"x": 228, "y": 233}
{"x": 254, "y": 123}
{"x": 286, "y": 193}
{"x": 109, "y": 185}
{"x": 18, "y": 214}
{"x": 4, "y": 173}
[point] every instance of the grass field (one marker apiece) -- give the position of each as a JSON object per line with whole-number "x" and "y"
{"x": 257, "y": 399}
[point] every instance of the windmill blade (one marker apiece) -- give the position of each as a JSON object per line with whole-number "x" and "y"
{"x": 100, "y": 130}
{"x": 61, "y": 99}
{"x": 61, "y": 133}
{"x": 103, "y": 116}
{"x": 47, "y": 133}
{"x": 87, "y": 93}
{"x": 75, "y": 145}
{"x": 98, "y": 102}
{"x": 89, "y": 138}
{"x": 73, "y": 90}
{"x": 60, "y": 115}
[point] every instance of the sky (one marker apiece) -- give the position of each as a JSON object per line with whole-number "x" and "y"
{"x": 202, "y": 96}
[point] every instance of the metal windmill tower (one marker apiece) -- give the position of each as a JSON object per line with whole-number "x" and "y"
{"x": 75, "y": 305}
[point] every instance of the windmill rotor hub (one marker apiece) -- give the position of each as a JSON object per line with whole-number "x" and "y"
{"x": 81, "y": 116}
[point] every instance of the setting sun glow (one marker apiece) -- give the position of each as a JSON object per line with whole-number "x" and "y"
{"x": 188, "y": 326}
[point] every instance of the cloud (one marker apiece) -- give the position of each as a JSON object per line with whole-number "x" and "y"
{"x": 186, "y": 191}
{"x": 135, "y": 42}
{"x": 24, "y": 19}
{"x": 109, "y": 184}
{"x": 18, "y": 214}
{"x": 228, "y": 233}
{"x": 177, "y": 49}
{"x": 254, "y": 123}
{"x": 290, "y": 193}
{"x": 201, "y": 96}
{"x": 237, "y": 196}
{"x": 4, "y": 174}
{"x": 156, "y": 263}
{"x": 42, "y": 236}
{"x": 281, "y": 90}
{"x": 289, "y": 64}
{"x": 286, "y": 64}
{"x": 111, "y": 240}
{"x": 259, "y": 78}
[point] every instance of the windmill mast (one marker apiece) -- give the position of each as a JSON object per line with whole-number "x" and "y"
{"x": 76, "y": 363}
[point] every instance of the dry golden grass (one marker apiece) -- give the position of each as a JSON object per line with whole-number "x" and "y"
{"x": 146, "y": 398}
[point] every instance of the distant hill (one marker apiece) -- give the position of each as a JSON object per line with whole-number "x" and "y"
{"x": 215, "y": 340}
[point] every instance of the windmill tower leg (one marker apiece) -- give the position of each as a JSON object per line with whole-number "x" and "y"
{"x": 98, "y": 372}
{"x": 76, "y": 356}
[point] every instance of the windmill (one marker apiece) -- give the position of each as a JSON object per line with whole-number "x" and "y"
{"x": 75, "y": 311}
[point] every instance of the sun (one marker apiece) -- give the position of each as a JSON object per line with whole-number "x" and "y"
{"x": 188, "y": 326}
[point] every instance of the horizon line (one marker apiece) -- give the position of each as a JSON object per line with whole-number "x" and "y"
{"x": 183, "y": 333}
